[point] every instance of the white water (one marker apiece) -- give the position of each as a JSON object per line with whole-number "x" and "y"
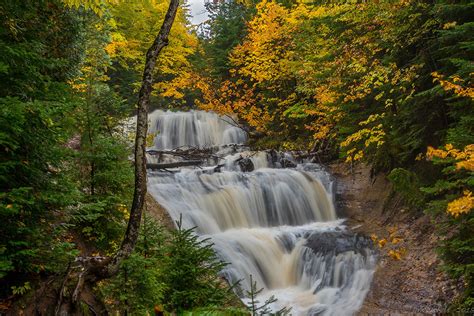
{"x": 278, "y": 225}
{"x": 193, "y": 128}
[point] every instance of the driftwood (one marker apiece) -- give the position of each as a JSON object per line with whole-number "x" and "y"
{"x": 192, "y": 153}
{"x": 177, "y": 164}
{"x": 187, "y": 154}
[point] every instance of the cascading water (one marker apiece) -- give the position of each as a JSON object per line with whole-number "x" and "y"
{"x": 193, "y": 128}
{"x": 276, "y": 224}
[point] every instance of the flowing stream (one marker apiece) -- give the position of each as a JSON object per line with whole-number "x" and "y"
{"x": 278, "y": 225}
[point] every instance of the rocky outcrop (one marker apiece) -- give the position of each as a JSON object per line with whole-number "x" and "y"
{"x": 246, "y": 164}
{"x": 413, "y": 284}
{"x": 287, "y": 163}
{"x": 337, "y": 242}
{"x": 158, "y": 212}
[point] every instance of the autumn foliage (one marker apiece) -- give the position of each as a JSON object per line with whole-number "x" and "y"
{"x": 387, "y": 83}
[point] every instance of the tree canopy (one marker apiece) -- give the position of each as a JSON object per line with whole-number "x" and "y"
{"x": 386, "y": 83}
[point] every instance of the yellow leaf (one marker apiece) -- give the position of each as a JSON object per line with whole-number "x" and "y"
{"x": 461, "y": 205}
{"x": 382, "y": 242}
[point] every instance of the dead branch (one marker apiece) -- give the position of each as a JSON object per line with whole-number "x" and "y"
{"x": 234, "y": 123}
{"x": 61, "y": 290}
{"x": 79, "y": 286}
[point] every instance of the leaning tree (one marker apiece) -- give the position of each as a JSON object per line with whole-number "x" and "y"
{"x": 89, "y": 270}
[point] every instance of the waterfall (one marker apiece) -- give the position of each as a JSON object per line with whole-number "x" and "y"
{"x": 278, "y": 225}
{"x": 193, "y": 128}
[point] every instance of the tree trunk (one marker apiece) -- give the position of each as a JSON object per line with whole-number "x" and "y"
{"x": 131, "y": 235}
{"x": 89, "y": 270}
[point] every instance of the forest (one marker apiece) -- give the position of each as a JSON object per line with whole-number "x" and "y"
{"x": 387, "y": 84}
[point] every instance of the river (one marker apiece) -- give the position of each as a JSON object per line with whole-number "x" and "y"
{"x": 278, "y": 225}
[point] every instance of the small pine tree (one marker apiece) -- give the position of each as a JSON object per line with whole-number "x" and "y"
{"x": 191, "y": 271}
{"x": 264, "y": 309}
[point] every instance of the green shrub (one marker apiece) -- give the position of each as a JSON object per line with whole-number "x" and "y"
{"x": 34, "y": 190}
{"x": 406, "y": 183}
{"x": 175, "y": 270}
{"x": 190, "y": 272}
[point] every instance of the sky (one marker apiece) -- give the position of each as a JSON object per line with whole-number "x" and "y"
{"x": 198, "y": 11}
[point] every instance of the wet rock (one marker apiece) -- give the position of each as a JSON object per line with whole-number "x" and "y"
{"x": 246, "y": 165}
{"x": 273, "y": 154}
{"x": 338, "y": 242}
{"x": 287, "y": 163}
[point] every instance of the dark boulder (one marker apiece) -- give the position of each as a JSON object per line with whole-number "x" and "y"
{"x": 338, "y": 242}
{"x": 246, "y": 165}
{"x": 273, "y": 156}
{"x": 287, "y": 163}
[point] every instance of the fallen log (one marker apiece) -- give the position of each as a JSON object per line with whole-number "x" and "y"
{"x": 177, "y": 164}
{"x": 192, "y": 153}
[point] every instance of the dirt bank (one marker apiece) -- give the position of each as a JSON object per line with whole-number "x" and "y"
{"x": 412, "y": 283}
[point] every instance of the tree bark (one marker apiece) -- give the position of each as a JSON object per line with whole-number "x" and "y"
{"x": 89, "y": 270}
{"x": 131, "y": 235}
